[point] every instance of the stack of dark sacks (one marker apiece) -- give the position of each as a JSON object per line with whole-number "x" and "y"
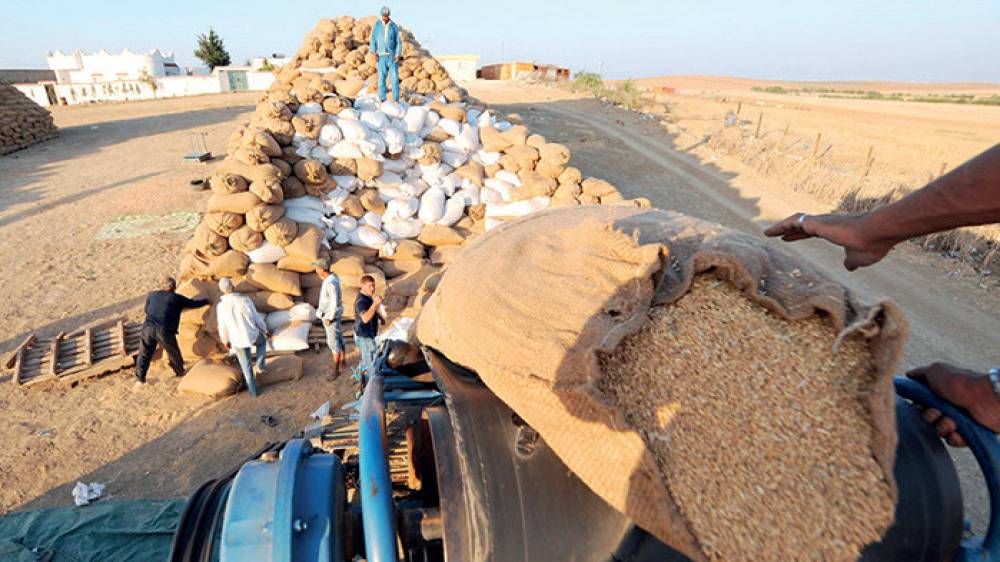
{"x": 22, "y": 121}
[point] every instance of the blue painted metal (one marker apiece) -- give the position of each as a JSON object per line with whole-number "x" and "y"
{"x": 290, "y": 510}
{"x": 377, "y": 512}
{"x": 405, "y": 395}
{"x": 985, "y": 445}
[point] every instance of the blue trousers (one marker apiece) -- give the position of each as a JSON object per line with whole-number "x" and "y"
{"x": 366, "y": 348}
{"x": 243, "y": 355}
{"x": 387, "y": 64}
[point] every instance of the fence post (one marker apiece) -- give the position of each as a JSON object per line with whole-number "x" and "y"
{"x": 760, "y": 119}
{"x": 785, "y": 133}
{"x": 819, "y": 139}
{"x": 739, "y": 107}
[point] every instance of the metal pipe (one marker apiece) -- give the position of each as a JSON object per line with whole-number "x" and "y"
{"x": 377, "y": 513}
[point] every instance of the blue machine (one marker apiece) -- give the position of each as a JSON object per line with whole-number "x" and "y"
{"x": 433, "y": 467}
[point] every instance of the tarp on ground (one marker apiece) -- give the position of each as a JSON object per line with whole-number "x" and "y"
{"x": 100, "y": 532}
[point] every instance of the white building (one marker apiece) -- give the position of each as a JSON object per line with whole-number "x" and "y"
{"x": 460, "y": 67}
{"x": 102, "y": 66}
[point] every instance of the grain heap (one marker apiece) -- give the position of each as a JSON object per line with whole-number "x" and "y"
{"x": 744, "y": 400}
{"x": 322, "y": 169}
{"x": 22, "y": 121}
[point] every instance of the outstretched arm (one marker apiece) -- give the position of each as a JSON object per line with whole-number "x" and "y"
{"x": 968, "y": 195}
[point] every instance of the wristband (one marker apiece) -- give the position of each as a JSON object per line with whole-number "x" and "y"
{"x": 995, "y": 380}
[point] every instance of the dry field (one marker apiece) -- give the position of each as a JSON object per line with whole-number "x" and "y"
{"x": 852, "y": 154}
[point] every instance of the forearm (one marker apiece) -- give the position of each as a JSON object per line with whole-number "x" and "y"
{"x": 367, "y": 315}
{"x": 967, "y": 196}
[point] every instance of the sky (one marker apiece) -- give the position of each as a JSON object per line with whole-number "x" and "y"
{"x": 917, "y": 40}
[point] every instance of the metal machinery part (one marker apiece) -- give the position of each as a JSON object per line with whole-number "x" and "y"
{"x": 441, "y": 470}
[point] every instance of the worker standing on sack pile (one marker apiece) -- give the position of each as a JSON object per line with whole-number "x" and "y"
{"x": 969, "y": 195}
{"x": 366, "y": 318}
{"x": 242, "y": 328}
{"x": 388, "y": 47}
{"x": 331, "y": 311}
{"x": 163, "y": 314}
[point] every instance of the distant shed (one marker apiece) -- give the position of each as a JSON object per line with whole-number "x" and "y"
{"x": 460, "y": 67}
{"x": 506, "y": 70}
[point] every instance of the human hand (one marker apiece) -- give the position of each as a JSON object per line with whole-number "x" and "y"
{"x": 964, "y": 388}
{"x": 399, "y": 59}
{"x": 847, "y": 231}
{"x": 377, "y": 300}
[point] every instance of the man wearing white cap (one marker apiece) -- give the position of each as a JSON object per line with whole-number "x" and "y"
{"x": 388, "y": 47}
{"x": 241, "y": 328}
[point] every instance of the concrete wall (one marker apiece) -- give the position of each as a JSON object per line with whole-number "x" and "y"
{"x": 460, "y": 67}
{"x": 128, "y": 90}
{"x": 34, "y": 91}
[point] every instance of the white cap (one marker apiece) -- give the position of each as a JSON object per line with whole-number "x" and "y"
{"x": 385, "y": 10}
{"x": 226, "y": 285}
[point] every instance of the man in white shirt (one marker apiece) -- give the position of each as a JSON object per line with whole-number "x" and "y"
{"x": 241, "y": 328}
{"x": 331, "y": 312}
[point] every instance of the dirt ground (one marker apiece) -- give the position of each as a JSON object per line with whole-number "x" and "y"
{"x": 116, "y": 160}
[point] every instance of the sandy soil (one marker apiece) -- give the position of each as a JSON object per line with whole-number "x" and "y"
{"x": 54, "y": 197}
{"x": 110, "y": 161}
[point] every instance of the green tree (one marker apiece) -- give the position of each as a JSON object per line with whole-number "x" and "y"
{"x": 211, "y": 50}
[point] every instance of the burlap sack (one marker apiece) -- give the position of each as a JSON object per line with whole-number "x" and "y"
{"x": 268, "y": 277}
{"x": 196, "y": 343}
{"x": 270, "y": 192}
{"x": 444, "y": 254}
{"x": 347, "y": 265}
{"x": 223, "y": 224}
{"x": 297, "y": 264}
{"x": 596, "y": 187}
{"x": 282, "y": 233}
{"x": 246, "y": 239}
{"x": 292, "y": 187}
{"x": 353, "y": 207}
{"x": 307, "y": 243}
{"x": 493, "y": 140}
{"x": 238, "y": 203}
{"x": 408, "y": 285}
{"x": 268, "y": 301}
{"x": 206, "y": 240}
{"x": 407, "y": 250}
{"x": 229, "y": 264}
{"x": 250, "y": 172}
{"x": 570, "y": 176}
{"x": 311, "y": 172}
{"x": 227, "y": 183}
{"x": 280, "y": 369}
{"x": 439, "y": 235}
{"x": 395, "y": 268}
{"x": 556, "y": 154}
{"x": 371, "y": 201}
{"x": 369, "y": 169}
{"x": 533, "y": 302}
{"x": 310, "y": 280}
{"x": 263, "y": 216}
{"x": 516, "y": 135}
{"x": 212, "y": 379}
{"x": 472, "y": 171}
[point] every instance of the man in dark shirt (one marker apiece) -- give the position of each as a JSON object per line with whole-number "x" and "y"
{"x": 163, "y": 314}
{"x": 366, "y": 319}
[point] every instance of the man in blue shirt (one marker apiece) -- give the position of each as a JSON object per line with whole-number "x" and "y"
{"x": 387, "y": 45}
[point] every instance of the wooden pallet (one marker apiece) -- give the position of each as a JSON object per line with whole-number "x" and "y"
{"x": 77, "y": 356}
{"x": 317, "y": 335}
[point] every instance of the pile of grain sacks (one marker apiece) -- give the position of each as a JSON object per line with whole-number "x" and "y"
{"x": 323, "y": 169}
{"x": 22, "y": 121}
